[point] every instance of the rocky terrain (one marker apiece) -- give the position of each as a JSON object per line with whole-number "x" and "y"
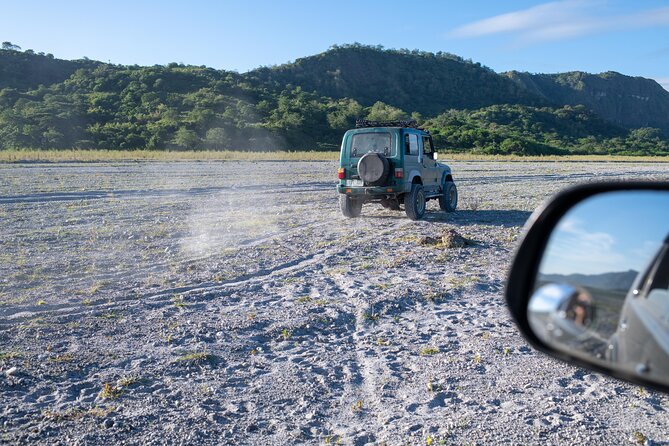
{"x": 231, "y": 303}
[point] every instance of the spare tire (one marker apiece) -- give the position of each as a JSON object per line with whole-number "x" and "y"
{"x": 373, "y": 169}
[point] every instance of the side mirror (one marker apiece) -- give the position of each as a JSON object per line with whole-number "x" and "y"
{"x": 590, "y": 280}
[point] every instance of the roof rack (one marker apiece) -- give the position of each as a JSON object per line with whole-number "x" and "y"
{"x": 362, "y": 123}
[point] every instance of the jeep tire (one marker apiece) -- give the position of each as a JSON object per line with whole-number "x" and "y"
{"x": 350, "y": 206}
{"x": 415, "y": 203}
{"x": 373, "y": 169}
{"x": 448, "y": 200}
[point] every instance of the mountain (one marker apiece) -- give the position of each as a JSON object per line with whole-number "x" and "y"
{"x": 410, "y": 80}
{"x": 613, "y": 281}
{"x": 630, "y": 102}
{"x": 48, "y": 103}
{"x": 28, "y": 70}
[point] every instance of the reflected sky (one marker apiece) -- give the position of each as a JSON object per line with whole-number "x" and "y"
{"x": 610, "y": 232}
{"x": 549, "y": 297}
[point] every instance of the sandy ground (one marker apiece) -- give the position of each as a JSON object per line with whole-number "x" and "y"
{"x": 231, "y": 303}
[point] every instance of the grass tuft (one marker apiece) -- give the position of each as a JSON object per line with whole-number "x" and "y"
{"x": 429, "y": 351}
{"x": 195, "y": 357}
{"x": 110, "y": 391}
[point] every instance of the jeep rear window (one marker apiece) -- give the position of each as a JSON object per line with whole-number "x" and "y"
{"x": 362, "y": 143}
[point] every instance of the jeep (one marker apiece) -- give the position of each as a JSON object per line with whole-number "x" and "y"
{"x": 392, "y": 163}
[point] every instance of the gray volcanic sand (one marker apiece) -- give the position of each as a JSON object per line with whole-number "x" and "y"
{"x": 231, "y": 303}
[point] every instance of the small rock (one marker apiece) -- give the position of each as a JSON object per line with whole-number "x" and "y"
{"x": 427, "y": 240}
{"x": 108, "y": 423}
{"x": 11, "y": 371}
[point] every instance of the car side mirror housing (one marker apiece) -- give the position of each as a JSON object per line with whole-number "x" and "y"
{"x": 590, "y": 281}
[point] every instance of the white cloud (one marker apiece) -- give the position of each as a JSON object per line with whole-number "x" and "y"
{"x": 561, "y": 20}
{"x": 573, "y": 249}
{"x": 525, "y": 20}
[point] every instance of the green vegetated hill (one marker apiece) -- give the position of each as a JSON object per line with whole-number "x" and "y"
{"x": 308, "y": 104}
{"x": 414, "y": 81}
{"x": 631, "y": 102}
{"x": 28, "y": 70}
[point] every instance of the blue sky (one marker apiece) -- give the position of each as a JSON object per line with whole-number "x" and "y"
{"x": 635, "y": 225}
{"x": 589, "y": 35}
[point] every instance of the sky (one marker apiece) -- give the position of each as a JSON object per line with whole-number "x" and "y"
{"x": 540, "y": 37}
{"x": 636, "y": 225}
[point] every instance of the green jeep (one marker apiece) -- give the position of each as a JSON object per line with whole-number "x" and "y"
{"x": 393, "y": 163}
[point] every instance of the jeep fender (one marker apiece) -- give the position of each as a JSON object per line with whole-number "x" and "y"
{"x": 446, "y": 176}
{"x": 412, "y": 175}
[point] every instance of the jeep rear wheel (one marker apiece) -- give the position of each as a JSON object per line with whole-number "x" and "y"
{"x": 350, "y": 207}
{"x": 373, "y": 169}
{"x": 448, "y": 201}
{"x": 414, "y": 203}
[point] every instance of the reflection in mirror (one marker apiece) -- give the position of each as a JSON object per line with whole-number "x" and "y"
{"x": 602, "y": 291}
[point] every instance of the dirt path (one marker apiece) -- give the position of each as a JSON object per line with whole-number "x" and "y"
{"x": 172, "y": 303}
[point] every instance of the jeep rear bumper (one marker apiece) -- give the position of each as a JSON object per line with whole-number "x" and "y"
{"x": 373, "y": 192}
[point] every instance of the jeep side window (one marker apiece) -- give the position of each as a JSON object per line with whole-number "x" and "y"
{"x": 413, "y": 144}
{"x": 427, "y": 145}
{"x": 406, "y": 144}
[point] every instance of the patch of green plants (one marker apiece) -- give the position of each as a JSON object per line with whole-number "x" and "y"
{"x": 128, "y": 381}
{"x": 9, "y": 355}
{"x": 460, "y": 282}
{"x": 428, "y": 351}
{"x": 433, "y": 386}
{"x": 110, "y": 315}
{"x": 371, "y": 316}
{"x": 110, "y": 391}
{"x": 65, "y": 357}
{"x": 76, "y": 413}
{"x": 195, "y": 357}
{"x": 357, "y": 406}
{"x": 639, "y": 438}
{"x": 178, "y": 302}
{"x": 333, "y": 439}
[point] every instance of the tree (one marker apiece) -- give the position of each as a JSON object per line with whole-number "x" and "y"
{"x": 186, "y": 139}
{"x": 646, "y": 134}
{"x": 10, "y": 46}
{"x": 384, "y": 112}
{"x": 217, "y": 139}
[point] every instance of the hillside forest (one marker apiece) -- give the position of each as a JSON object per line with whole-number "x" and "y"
{"x": 49, "y": 103}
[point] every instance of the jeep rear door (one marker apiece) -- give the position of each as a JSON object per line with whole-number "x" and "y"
{"x": 430, "y": 169}
{"x": 411, "y": 156}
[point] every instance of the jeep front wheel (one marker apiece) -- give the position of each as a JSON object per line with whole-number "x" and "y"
{"x": 448, "y": 200}
{"x": 414, "y": 203}
{"x": 350, "y": 207}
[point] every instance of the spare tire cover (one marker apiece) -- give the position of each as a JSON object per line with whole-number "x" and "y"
{"x": 373, "y": 168}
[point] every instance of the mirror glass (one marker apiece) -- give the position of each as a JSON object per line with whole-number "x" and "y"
{"x": 602, "y": 290}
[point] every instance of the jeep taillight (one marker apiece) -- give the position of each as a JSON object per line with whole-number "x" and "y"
{"x": 399, "y": 173}
{"x": 341, "y": 173}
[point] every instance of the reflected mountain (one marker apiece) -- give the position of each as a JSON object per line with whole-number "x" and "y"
{"x": 613, "y": 281}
